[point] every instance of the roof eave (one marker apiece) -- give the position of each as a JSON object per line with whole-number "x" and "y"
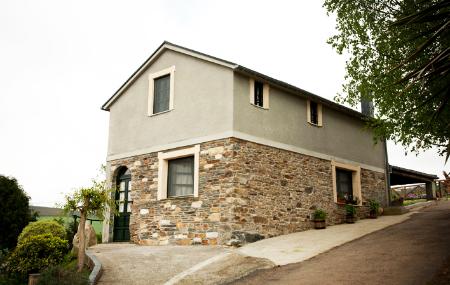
{"x": 153, "y": 56}
{"x": 300, "y": 92}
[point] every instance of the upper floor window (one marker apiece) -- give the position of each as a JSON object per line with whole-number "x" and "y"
{"x": 161, "y": 97}
{"x": 314, "y": 113}
{"x": 161, "y": 91}
{"x": 259, "y": 94}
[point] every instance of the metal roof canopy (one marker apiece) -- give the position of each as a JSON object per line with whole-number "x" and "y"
{"x": 400, "y": 176}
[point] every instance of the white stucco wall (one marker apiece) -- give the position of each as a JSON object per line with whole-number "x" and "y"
{"x": 203, "y": 102}
{"x": 341, "y": 135}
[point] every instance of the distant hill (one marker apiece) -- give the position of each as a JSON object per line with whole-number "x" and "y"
{"x": 47, "y": 211}
{"x": 56, "y": 212}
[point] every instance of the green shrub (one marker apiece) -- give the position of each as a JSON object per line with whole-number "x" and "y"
{"x": 350, "y": 210}
{"x": 374, "y": 206}
{"x": 42, "y": 227}
{"x": 99, "y": 238}
{"x": 319, "y": 215}
{"x": 62, "y": 275}
{"x": 36, "y": 253}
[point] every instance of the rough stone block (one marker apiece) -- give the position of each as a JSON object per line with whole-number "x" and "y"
{"x": 184, "y": 242}
{"x": 196, "y": 204}
{"x": 212, "y": 235}
{"x": 214, "y": 217}
{"x": 164, "y": 223}
{"x": 144, "y": 211}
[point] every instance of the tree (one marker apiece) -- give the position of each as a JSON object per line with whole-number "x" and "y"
{"x": 92, "y": 200}
{"x": 15, "y": 209}
{"x": 400, "y": 59}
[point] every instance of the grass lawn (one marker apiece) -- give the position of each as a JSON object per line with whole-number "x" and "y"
{"x": 98, "y": 226}
{"x": 413, "y": 201}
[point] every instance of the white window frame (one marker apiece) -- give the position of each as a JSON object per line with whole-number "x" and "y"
{"x": 356, "y": 179}
{"x": 319, "y": 113}
{"x": 266, "y": 91}
{"x": 163, "y": 168}
{"x": 151, "y": 89}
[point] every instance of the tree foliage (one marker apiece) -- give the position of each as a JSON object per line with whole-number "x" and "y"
{"x": 399, "y": 58}
{"x": 15, "y": 211}
{"x": 94, "y": 200}
{"x": 42, "y": 227}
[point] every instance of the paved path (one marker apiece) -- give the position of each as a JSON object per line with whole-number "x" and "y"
{"x": 406, "y": 253}
{"x": 125, "y": 263}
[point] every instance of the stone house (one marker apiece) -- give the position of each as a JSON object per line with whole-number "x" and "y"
{"x": 202, "y": 150}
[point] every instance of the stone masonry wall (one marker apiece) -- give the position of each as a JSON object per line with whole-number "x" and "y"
{"x": 243, "y": 187}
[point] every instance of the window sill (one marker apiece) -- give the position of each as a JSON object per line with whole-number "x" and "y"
{"x": 160, "y": 113}
{"x": 315, "y": 125}
{"x": 259, "y": 107}
{"x": 343, "y": 204}
{"x": 178, "y": 197}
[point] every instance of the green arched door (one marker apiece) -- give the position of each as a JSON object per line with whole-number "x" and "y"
{"x": 124, "y": 202}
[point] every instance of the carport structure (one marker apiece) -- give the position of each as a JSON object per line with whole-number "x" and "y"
{"x": 402, "y": 176}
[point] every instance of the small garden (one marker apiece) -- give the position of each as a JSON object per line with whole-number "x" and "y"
{"x": 41, "y": 251}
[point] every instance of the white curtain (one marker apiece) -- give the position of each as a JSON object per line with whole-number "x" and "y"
{"x": 181, "y": 177}
{"x": 161, "y": 94}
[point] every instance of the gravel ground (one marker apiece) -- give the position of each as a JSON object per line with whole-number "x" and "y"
{"x": 413, "y": 252}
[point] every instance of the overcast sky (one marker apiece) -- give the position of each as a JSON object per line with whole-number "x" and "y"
{"x": 61, "y": 60}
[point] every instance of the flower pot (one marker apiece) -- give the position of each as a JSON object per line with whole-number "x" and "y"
{"x": 320, "y": 224}
{"x": 350, "y": 219}
{"x": 373, "y": 214}
{"x": 33, "y": 278}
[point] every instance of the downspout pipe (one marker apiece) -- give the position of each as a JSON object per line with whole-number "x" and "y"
{"x": 388, "y": 174}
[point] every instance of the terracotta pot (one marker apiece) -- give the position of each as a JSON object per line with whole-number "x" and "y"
{"x": 350, "y": 219}
{"x": 320, "y": 224}
{"x": 33, "y": 278}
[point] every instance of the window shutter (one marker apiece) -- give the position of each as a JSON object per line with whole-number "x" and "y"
{"x": 252, "y": 90}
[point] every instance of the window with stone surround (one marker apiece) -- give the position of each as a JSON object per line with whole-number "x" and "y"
{"x": 178, "y": 173}
{"x": 161, "y": 91}
{"x": 180, "y": 177}
{"x": 346, "y": 182}
{"x": 259, "y": 93}
{"x": 314, "y": 113}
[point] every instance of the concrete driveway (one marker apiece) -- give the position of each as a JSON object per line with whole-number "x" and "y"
{"x": 125, "y": 263}
{"x": 408, "y": 253}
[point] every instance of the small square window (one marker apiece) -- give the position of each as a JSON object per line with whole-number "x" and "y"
{"x": 161, "y": 97}
{"x": 258, "y": 93}
{"x": 180, "y": 177}
{"x": 314, "y": 113}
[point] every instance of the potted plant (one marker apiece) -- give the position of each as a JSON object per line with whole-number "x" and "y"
{"x": 350, "y": 213}
{"x": 374, "y": 207}
{"x": 319, "y": 217}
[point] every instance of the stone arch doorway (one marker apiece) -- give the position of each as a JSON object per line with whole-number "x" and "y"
{"x": 123, "y": 204}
